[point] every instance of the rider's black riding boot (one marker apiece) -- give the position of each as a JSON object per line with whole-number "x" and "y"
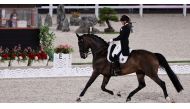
{"x": 117, "y": 69}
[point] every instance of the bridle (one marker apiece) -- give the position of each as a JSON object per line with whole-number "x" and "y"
{"x": 83, "y": 50}
{"x": 87, "y": 51}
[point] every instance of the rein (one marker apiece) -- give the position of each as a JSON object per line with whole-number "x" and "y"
{"x": 99, "y": 49}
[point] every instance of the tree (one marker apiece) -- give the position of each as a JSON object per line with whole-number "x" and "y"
{"x": 107, "y": 14}
{"x": 46, "y": 40}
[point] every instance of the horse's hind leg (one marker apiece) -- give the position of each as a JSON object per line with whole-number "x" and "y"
{"x": 104, "y": 83}
{"x": 88, "y": 84}
{"x": 140, "y": 77}
{"x": 162, "y": 85}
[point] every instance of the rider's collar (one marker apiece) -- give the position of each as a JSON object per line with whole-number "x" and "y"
{"x": 126, "y": 23}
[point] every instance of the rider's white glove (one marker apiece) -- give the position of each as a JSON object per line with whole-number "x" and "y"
{"x": 111, "y": 40}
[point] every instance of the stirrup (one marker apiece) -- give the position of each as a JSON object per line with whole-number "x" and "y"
{"x": 114, "y": 73}
{"x": 117, "y": 72}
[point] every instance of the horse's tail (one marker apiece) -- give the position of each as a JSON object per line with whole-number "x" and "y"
{"x": 164, "y": 64}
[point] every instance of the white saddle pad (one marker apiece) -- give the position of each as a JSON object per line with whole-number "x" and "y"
{"x": 117, "y": 50}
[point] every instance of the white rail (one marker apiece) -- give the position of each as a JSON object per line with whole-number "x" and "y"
{"x": 69, "y": 72}
{"x": 139, "y": 6}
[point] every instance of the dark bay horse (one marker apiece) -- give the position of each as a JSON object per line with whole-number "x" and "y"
{"x": 141, "y": 62}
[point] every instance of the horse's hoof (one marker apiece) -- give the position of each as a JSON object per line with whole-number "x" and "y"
{"x": 172, "y": 101}
{"x": 111, "y": 93}
{"x": 169, "y": 100}
{"x": 78, "y": 99}
{"x": 128, "y": 99}
{"x": 118, "y": 94}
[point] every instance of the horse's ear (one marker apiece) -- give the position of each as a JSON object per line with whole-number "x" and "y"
{"x": 77, "y": 35}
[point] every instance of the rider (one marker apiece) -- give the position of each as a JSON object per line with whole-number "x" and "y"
{"x": 124, "y": 40}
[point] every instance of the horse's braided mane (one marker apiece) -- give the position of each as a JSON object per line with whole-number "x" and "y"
{"x": 95, "y": 36}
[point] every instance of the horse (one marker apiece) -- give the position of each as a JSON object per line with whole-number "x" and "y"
{"x": 142, "y": 62}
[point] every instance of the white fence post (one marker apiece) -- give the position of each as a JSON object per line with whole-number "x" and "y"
{"x": 141, "y": 10}
{"x": 51, "y": 9}
{"x": 184, "y": 9}
{"x": 97, "y": 10}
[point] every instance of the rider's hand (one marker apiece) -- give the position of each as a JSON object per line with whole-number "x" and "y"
{"x": 111, "y": 40}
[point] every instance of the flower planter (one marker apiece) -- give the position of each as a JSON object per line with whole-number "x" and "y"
{"x": 34, "y": 63}
{"x": 23, "y": 63}
{"x": 4, "y": 63}
{"x": 62, "y": 60}
{"x": 38, "y": 63}
{"x": 15, "y": 63}
{"x": 44, "y": 62}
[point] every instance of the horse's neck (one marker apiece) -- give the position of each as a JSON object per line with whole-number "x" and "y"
{"x": 98, "y": 48}
{"x": 99, "y": 52}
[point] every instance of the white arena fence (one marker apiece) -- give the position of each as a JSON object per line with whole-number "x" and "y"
{"x": 70, "y": 72}
{"x": 138, "y": 6}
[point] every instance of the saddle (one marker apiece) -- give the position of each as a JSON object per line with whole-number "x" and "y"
{"x": 114, "y": 50}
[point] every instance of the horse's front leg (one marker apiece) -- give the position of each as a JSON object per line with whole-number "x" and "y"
{"x": 88, "y": 84}
{"x": 104, "y": 83}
